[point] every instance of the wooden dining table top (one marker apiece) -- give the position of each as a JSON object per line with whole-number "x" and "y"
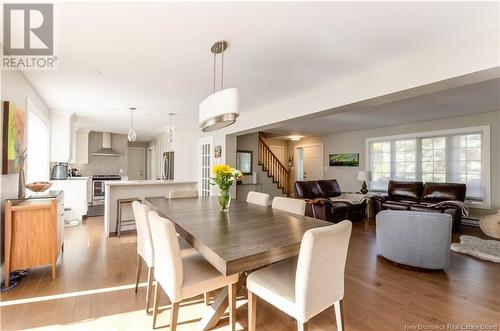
{"x": 246, "y": 237}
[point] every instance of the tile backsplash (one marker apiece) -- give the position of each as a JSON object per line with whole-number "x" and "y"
{"x": 105, "y": 165}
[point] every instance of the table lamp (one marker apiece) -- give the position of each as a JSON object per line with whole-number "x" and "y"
{"x": 364, "y": 176}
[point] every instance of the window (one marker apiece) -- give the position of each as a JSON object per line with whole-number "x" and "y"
{"x": 457, "y": 156}
{"x": 434, "y": 159}
{"x": 37, "y": 167}
{"x": 380, "y": 164}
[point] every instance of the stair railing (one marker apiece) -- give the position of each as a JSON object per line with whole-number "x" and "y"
{"x": 275, "y": 169}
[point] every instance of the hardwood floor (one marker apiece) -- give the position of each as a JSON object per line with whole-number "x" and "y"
{"x": 378, "y": 294}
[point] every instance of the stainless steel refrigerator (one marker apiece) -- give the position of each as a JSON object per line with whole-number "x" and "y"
{"x": 167, "y": 168}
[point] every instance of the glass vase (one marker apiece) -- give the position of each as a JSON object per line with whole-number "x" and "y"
{"x": 224, "y": 200}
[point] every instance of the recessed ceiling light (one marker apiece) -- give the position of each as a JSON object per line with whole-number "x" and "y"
{"x": 149, "y": 114}
{"x": 96, "y": 72}
{"x": 295, "y": 138}
{"x": 112, "y": 109}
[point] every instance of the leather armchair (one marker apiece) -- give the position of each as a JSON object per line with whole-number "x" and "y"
{"x": 317, "y": 194}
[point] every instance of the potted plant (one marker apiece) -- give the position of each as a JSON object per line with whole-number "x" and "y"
{"x": 224, "y": 178}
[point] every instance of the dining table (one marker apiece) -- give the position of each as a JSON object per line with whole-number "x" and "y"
{"x": 242, "y": 239}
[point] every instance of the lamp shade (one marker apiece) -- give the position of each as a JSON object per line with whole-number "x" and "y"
{"x": 219, "y": 109}
{"x": 364, "y": 176}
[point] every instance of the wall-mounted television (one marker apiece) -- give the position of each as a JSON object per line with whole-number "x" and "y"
{"x": 344, "y": 160}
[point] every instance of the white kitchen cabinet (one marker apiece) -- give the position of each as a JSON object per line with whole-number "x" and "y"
{"x": 61, "y": 136}
{"x": 82, "y": 147}
{"x": 75, "y": 195}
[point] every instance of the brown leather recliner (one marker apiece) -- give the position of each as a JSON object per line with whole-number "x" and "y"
{"x": 318, "y": 194}
{"x": 417, "y": 197}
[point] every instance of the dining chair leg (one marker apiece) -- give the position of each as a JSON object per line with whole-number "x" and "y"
{"x": 138, "y": 272}
{"x": 252, "y": 311}
{"x": 339, "y": 314}
{"x": 232, "y": 289}
{"x": 301, "y": 326}
{"x": 149, "y": 289}
{"x": 175, "y": 314}
{"x": 156, "y": 303}
{"x": 206, "y": 298}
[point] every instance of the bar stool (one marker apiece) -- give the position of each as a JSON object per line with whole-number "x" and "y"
{"x": 119, "y": 221}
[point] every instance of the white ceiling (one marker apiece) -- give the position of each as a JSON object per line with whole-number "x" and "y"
{"x": 464, "y": 100}
{"x": 155, "y": 56}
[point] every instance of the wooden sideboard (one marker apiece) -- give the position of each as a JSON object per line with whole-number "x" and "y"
{"x": 34, "y": 232}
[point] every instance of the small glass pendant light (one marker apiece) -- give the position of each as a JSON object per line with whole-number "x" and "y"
{"x": 132, "y": 136}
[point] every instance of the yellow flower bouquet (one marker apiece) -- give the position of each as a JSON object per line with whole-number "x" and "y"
{"x": 224, "y": 178}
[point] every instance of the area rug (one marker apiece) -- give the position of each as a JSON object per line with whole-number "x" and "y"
{"x": 482, "y": 249}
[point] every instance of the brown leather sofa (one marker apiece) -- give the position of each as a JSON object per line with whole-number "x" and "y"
{"x": 317, "y": 195}
{"x": 417, "y": 196}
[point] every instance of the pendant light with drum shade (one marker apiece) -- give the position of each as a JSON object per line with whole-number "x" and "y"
{"x": 132, "y": 136}
{"x": 221, "y": 108}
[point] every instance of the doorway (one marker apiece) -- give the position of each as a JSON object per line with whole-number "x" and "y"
{"x": 205, "y": 157}
{"x": 136, "y": 163}
{"x": 151, "y": 173}
{"x": 309, "y": 162}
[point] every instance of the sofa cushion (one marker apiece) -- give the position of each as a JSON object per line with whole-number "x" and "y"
{"x": 330, "y": 187}
{"x": 436, "y": 192}
{"x": 408, "y": 191}
{"x": 425, "y": 208}
{"x": 395, "y": 205}
{"x": 308, "y": 190}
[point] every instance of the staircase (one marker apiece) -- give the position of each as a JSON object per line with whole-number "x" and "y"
{"x": 274, "y": 168}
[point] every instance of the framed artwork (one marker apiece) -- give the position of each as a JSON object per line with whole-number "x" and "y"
{"x": 344, "y": 160}
{"x": 13, "y": 137}
{"x": 218, "y": 151}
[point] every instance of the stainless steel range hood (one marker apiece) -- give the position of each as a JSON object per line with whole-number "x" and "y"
{"x": 106, "y": 149}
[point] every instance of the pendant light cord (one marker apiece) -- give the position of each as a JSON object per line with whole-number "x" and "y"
{"x": 222, "y": 69}
{"x": 214, "y": 70}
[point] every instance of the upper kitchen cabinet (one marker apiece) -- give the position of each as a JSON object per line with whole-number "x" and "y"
{"x": 81, "y": 147}
{"x": 61, "y": 136}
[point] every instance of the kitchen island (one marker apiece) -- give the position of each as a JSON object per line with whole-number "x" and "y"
{"x": 136, "y": 189}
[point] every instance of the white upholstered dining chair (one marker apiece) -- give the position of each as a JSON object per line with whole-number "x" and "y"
{"x": 176, "y": 194}
{"x": 144, "y": 247}
{"x": 184, "y": 276}
{"x": 258, "y": 198}
{"x": 305, "y": 286}
{"x": 296, "y": 206}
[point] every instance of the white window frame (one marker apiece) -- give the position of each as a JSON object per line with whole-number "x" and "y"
{"x": 485, "y": 154}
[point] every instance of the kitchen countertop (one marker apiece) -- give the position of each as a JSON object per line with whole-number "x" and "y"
{"x": 145, "y": 182}
{"x": 72, "y": 178}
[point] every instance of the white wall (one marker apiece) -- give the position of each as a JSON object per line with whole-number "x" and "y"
{"x": 15, "y": 88}
{"x": 355, "y": 142}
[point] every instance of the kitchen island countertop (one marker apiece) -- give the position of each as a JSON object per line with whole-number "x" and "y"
{"x": 146, "y": 182}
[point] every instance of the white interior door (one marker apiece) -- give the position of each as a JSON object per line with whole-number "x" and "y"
{"x": 279, "y": 151}
{"x": 205, "y": 156}
{"x": 313, "y": 162}
{"x": 136, "y": 163}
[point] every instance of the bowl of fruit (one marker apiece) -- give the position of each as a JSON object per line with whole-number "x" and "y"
{"x": 38, "y": 186}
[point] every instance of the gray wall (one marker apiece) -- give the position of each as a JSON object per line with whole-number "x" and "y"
{"x": 106, "y": 165}
{"x": 355, "y": 141}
